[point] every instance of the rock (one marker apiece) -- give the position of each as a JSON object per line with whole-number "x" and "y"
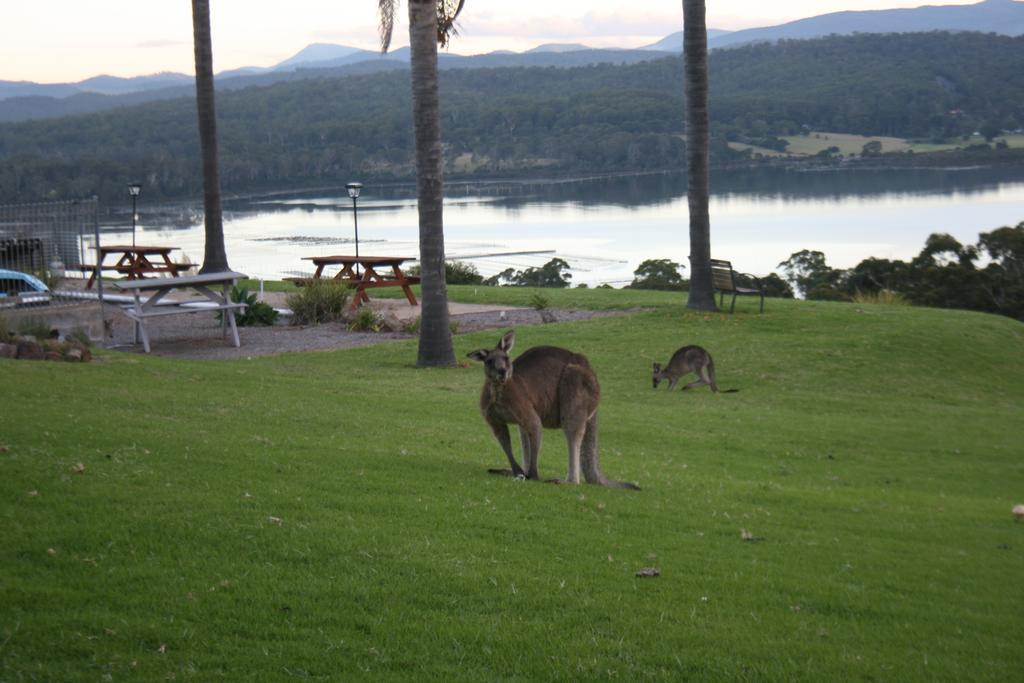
{"x": 8, "y": 351}
{"x": 80, "y": 352}
{"x": 52, "y": 355}
{"x": 73, "y": 355}
{"x": 389, "y": 322}
{"x": 30, "y": 350}
{"x": 548, "y": 316}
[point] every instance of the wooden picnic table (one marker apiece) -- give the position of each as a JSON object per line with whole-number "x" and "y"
{"x": 135, "y": 262}
{"x": 370, "y": 276}
{"x": 142, "y": 309}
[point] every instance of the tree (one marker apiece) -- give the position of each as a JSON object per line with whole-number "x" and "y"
{"x": 871, "y": 148}
{"x": 431, "y": 22}
{"x": 990, "y": 130}
{"x": 695, "y": 51}
{"x": 810, "y": 274}
{"x": 658, "y": 274}
{"x": 554, "y": 273}
{"x": 215, "y": 257}
{"x": 776, "y": 286}
{"x": 1005, "y": 274}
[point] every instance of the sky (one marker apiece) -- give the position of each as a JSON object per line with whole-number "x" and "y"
{"x": 62, "y": 41}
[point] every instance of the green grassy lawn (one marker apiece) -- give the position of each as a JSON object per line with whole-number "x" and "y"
{"x": 854, "y": 144}
{"x": 329, "y": 515}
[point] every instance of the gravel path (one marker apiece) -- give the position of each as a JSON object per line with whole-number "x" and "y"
{"x": 197, "y": 336}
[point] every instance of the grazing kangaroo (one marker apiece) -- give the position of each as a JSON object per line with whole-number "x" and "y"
{"x": 688, "y": 359}
{"x": 545, "y": 386}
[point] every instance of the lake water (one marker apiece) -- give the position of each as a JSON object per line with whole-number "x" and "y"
{"x": 604, "y": 227}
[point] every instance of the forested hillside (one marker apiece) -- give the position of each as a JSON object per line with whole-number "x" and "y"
{"x": 525, "y": 120}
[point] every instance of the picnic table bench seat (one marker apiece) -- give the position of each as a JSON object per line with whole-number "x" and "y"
{"x": 126, "y": 269}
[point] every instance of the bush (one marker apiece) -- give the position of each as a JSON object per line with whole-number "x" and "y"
{"x": 256, "y": 312}
{"x": 455, "y": 273}
{"x": 660, "y": 274}
{"x": 34, "y": 327}
{"x": 320, "y": 301}
{"x": 554, "y": 273}
{"x": 539, "y": 302}
{"x": 80, "y": 336}
{"x": 459, "y": 273}
{"x": 412, "y": 326}
{"x": 365, "y": 320}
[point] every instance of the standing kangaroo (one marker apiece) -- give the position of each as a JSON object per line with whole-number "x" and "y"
{"x": 688, "y": 359}
{"x": 545, "y": 386}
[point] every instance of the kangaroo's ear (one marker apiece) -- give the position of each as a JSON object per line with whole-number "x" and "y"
{"x": 507, "y": 341}
{"x": 479, "y": 354}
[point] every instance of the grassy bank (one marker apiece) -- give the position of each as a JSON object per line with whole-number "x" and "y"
{"x": 329, "y": 515}
{"x": 850, "y": 144}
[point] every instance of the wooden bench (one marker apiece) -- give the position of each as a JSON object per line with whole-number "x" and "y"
{"x": 724, "y": 279}
{"x": 154, "y": 305}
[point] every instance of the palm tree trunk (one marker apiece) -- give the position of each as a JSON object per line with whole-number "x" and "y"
{"x": 435, "y": 335}
{"x": 695, "y": 50}
{"x": 215, "y": 257}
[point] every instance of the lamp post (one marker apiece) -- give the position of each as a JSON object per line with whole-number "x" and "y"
{"x": 353, "y": 192}
{"x": 134, "y": 189}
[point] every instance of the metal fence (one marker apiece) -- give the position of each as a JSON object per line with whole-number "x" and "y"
{"x": 39, "y": 238}
{"x": 48, "y": 241}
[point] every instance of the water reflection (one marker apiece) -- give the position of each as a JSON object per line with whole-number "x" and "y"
{"x": 605, "y": 226}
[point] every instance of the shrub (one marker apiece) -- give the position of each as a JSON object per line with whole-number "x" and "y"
{"x": 455, "y": 273}
{"x": 539, "y": 302}
{"x": 79, "y": 335}
{"x": 320, "y": 301}
{"x": 34, "y": 327}
{"x": 660, "y": 274}
{"x": 365, "y": 320}
{"x": 554, "y": 273}
{"x": 459, "y": 273}
{"x": 256, "y": 312}
{"x": 412, "y": 326}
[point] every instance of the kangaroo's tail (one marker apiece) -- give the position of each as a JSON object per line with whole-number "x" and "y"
{"x": 592, "y": 473}
{"x": 613, "y": 484}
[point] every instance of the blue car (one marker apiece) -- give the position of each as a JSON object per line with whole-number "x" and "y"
{"x": 23, "y": 288}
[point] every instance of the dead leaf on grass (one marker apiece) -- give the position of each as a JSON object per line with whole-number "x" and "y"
{"x": 649, "y": 572}
{"x": 78, "y": 469}
{"x": 33, "y": 492}
{"x": 275, "y": 520}
{"x": 747, "y": 536}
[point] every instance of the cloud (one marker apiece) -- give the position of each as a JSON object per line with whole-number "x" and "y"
{"x": 593, "y": 24}
{"x": 160, "y": 44}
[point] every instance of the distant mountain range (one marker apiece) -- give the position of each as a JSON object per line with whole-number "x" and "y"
{"x": 20, "y": 100}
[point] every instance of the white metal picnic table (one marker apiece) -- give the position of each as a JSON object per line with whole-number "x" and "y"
{"x": 154, "y": 304}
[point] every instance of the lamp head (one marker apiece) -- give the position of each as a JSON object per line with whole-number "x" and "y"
{"x": 353, "y": 189}
{"x": 134, "y": 189}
